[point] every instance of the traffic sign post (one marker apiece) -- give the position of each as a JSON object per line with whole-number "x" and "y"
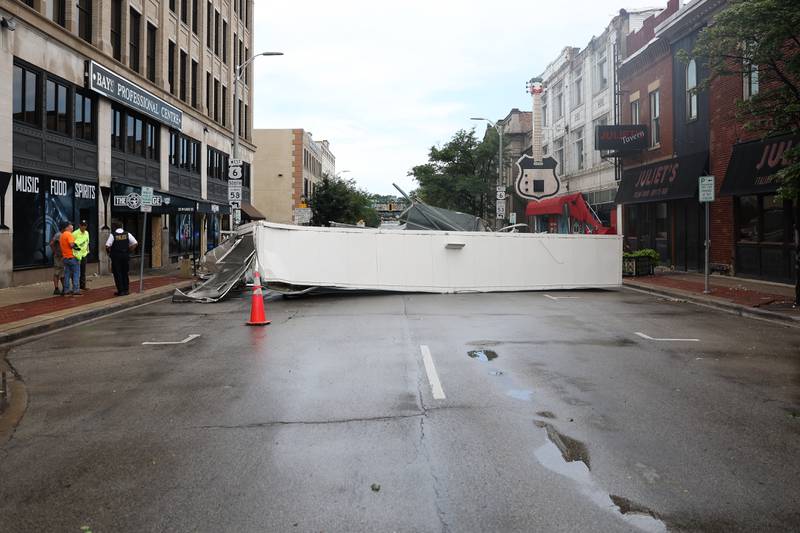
{"x": 705, "y": 190}
{"x": 235, "y": 191}
{"x": 146, "y": 207}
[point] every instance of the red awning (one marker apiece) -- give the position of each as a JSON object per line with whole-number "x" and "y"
{"x": 578, "y": 208}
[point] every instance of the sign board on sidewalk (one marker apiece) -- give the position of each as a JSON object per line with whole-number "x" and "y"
{"x": 501, "y": 195}
{"x": 501, "y": 188}
{"x": 147, "y": 196}
{"x": 146, "y": 208}
{"x": 705, "y": 187}
{"x": 234, "y": 173}
{"x": 501, "y": 209}
{"x": 237, "y": 216}
{"x": 302, "y": 215}
{"x": 512, "y": 218}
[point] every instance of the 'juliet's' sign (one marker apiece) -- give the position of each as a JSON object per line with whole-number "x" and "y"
{"x": 119, "y": 89}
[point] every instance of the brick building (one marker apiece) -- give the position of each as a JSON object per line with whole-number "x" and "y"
{"x": 104, "y": 97}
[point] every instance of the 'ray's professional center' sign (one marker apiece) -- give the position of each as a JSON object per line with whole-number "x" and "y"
{"x": 120, "y": 90}
{"x": 626, "y": 138}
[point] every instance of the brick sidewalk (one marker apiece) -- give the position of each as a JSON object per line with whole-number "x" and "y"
{"x": 740, "y": 295}
{"x": 25, "y": 310}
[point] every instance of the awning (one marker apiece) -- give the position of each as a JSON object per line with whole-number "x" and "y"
{"x": 666, "y": 180}
{"x": 753, "y": 165}
{"x": 213, "y": 208}
{"x": 251, "y": 212}
{"x": 578, "y": 209}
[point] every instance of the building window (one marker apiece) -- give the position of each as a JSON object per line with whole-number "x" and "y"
{"x": 225, "y": 42}
{"x": 195, "y": 16}
{"x": 172, "y": 5}
{"x": 171, "y": 67}
{"x": 56, "y": 107}
{"x": 151, "y": 52}
{"x": 558, "y": 101}
{"x": 83, "y": 116}
{"x": 57, "y": 11}
{"x": 224, "y": 106}
{"x": 246, "y": 128}
{"x": 133, "y": 59}
{"x": 577, "y": 148}
{"x": 544, "y": 112}
{"x": 247, "y": 14}
{"x": 577, "y": 89}
{"x": 185, "y": 11}
{"x": 151, "y": 140}
{"x": 691, "y": 90}
{"x": 174, "y": 147}
{"x": 194, "y": 83}
{"x": 635, "y": 112}
{"x": 216, "y": 100}
{"x": 247, "y": 68}
{"x": 750, "y": 81}
{"x": 239, "y": 114}
{"x": 235, "y": 46}
{"x": 558, "y": 151}
{"x": 117, "y": 138}
{"x": 85, "y": 20}
{"x": 184, "y": 77}
{"x": 655, "y": 118}
{"x": 216, "y": 32}
{"x": 601, "y": 74}
{"x": 209, "y": 22}
{"x": 26, "y": 104}
{"x": 208, "y": 93}
{"x": 116, "y": 29}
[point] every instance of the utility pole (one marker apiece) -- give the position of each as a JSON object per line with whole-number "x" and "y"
{"x": 500, "y": 183}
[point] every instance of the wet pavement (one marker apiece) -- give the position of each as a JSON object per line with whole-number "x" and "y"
{"x": 553, "y": 415}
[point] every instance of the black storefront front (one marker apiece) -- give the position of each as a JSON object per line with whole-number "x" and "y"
{"x": 661, "y": 210}
{"x": 763, "y": 221}
{"x": 41, "y": 205}
{"x": 184, "y": 220}
{"x": 54, "y": 174}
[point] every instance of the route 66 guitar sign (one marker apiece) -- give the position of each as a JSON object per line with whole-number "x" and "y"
{"x": 537, "y": 177}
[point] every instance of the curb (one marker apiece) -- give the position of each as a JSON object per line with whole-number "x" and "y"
{"x": 59, "y": 322}
{"x": 727, "y": 307}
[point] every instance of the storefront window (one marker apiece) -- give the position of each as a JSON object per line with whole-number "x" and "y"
{"x": 41, "y": 205}
{"x": 26, "y": 95}
{"x": 56, "y": 107}
{"x": 774, "y": 221}
{"x": 116, "y": 129}
{"x": 747, "y": 218}
{"x": 83, "y": 115}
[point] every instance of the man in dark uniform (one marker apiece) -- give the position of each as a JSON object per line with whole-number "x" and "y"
{"x": 119, "y": 245}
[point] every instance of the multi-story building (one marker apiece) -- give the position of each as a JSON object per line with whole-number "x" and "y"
{"x": 108, "y": 96}
{"x": 288, "y": 166}
{"x": 579, "y": 96}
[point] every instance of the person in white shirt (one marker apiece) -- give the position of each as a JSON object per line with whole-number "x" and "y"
{"x": 119, "y": 246}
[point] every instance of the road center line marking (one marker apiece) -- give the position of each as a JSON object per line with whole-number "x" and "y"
{"x": 184, "y": 341}
{"x": 556, "y": 298}
{"x": 648, "y": 337}
{"x": 433, "y": 377}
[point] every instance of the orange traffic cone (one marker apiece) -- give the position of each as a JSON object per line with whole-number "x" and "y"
{"x": 257, "y": 315}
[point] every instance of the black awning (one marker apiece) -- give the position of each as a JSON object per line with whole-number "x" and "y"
{"x": 753, "y": 165}
{"x": 672, "y": 179}
{"x": 251, "y": 213}
{"x": 213, "y": 208}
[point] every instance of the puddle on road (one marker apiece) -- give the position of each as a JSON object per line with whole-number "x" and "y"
{"x": 520, "y": 394}
{"x": 483, "y": 355}
{"x": 571, "y": 449}
{"x": 553, "y": 458}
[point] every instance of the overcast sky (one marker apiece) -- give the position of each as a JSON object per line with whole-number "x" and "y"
{"x": 385, "y": 82}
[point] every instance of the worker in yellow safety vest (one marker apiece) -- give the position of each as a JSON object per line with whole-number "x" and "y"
{"x": 82, "y": 250}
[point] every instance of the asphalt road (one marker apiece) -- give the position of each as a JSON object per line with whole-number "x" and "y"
{"x": 327, "y": 420}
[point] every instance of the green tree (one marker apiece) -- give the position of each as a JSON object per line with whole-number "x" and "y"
{"x": 339, "y": 200}
{"x": 461, "y": 175}
{"x": 762, "y": 37}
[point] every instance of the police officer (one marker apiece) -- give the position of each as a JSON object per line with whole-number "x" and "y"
{"x": 119, "y": 245}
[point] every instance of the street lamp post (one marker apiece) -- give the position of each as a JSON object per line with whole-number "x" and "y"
{"x": 237, "y": 110}
{"x": 499, "y": 127}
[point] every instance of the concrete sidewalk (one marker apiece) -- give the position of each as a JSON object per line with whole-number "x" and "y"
{"x": 741, "y": 296}
{"x": 30, "y": 309}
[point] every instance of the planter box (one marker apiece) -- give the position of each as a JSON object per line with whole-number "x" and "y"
{"x": 637, "y": 266}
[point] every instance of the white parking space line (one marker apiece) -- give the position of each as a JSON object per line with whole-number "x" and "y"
{"x": 648, "y": 337}
{"x": 433, "y": 377}
{"x": 556, "y": 298}
{"x": 184, "y": 341}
